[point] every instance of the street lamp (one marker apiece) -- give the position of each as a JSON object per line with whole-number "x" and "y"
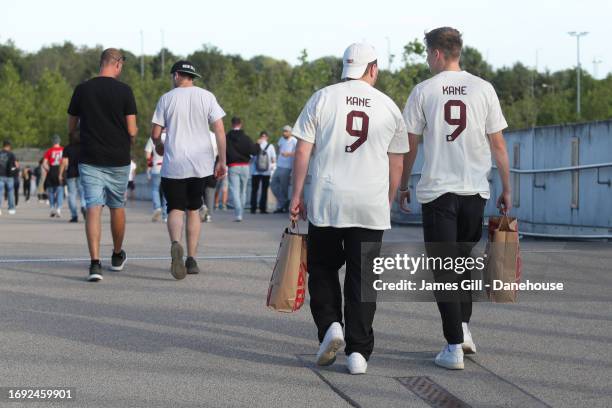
{"x": 578, "y": 68}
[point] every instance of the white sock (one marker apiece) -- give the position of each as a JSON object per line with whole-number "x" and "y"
{"x": 453, "y": 347}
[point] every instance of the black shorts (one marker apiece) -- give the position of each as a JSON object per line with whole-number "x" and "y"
{"x": 183, "y": 194}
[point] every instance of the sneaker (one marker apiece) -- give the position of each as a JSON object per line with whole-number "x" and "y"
{"x": 58, "y": 213}
{"x": 118, "y": 260}
{"x": 12, "y": 211}
{"x": 52, "y": 214}
{"x": 238, "y": 219}
{"x": 468, "y": 345}
{"x": 177, "y": 267}
{"x": 192, "y": 266}
{"x": 95, "y": 272}
{"x": 279, "y": 211}
{"x": 0, "y": 212}
{"x": 208, "y": 218}
{"x": 452, "y": 360}
{"x": 332, "y": 342}
{"x": 74, "y": 219}
{"x": 356, "y": 364}
{"x": 157, "y": 215}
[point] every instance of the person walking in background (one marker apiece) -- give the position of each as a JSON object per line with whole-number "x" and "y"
{"x": 221, "y": 194}
{"x": 131, "y": 185}
{"x": 26, "y": 176}
{"x": 186, "y": 112}
{"x": 282, "y": 175}
{"x": 17, "y": 184}
{"x": 263, "y": 164}
{"x": 8, "y": 164}
{"x": 155, "y": 162}
{"x": 210, "y": 186}
{"x": 106, "y": 110}
{"x": 240, "y": 148}
{"x": 70, "y": 170}
{"x": 360, "y": 138}
{"x": 39, "y": 176}
{"x": 461, "y": 121}
{"x": 51, "y": 163}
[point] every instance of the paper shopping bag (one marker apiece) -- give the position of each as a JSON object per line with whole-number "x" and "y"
{"x": 287, "y": 290}
{"x": 503, "y": 259}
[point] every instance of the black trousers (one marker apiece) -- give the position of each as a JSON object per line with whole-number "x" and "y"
{"x": 256, "y": 181}
{"x": 455, "y": 221}
{"x": 26, "y": 189}
{"x": 328, "y": 249}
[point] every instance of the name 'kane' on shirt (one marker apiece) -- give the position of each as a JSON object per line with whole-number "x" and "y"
{"x": 353, "y": 127}
{"x": 454, "y": 111}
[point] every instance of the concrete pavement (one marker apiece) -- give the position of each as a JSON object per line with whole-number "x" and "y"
{"x": 141, "y": 339}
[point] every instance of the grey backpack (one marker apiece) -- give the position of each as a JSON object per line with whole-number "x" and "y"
{"x": 262, "y": 162}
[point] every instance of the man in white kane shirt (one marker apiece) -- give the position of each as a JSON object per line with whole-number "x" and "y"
{"x": 186, "y": 112}
{"x": 460, "y": 119}
{"x": 351, "y": 141}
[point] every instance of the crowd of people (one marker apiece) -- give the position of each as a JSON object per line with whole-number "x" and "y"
{"x": 351, "y": 144}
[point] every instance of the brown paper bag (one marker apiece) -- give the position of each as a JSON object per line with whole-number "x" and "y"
{"x": 503, "y": 258}
{"x": 287, "y": 290}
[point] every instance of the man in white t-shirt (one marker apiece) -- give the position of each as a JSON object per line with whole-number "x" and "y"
{"x": 155, "y": 161}
{"x": 186, "y": 112}
{"x": 282, "y": 175}
{"x": 352, "y": 138}
{"x": 460, "y": 119}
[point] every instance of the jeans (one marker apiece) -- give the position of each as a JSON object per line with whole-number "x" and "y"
{"x": 238, "y": 179}
{"x": 74, "y": 187}
{"x": 157, "y": 196}
{"x": 453, "y": 218}
{"x": 328, "y": 249}
{"x": 104, "y": 185}
{"x": 9, "y": 184}
{"x": 280, "y": 186}
{"x": 56, "y": 197}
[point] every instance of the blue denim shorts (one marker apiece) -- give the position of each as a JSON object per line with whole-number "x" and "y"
{"x": 104, "y": 185}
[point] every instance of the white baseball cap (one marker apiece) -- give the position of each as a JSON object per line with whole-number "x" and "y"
{"x": 356, "y": 58}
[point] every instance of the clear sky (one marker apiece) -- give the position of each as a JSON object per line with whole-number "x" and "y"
{"x": 504, "y": 31}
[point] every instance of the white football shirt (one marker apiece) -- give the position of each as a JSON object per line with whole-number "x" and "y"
{"x": 185, "y": 113}
{"x": 454, "y": 111}
{"x": 353, "y": 126}
{"x": 156, "y": 158}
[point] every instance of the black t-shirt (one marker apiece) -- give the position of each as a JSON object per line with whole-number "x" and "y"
{"x": 102, "y": 103}
{"x": 72, "y": 152}
{"x": 7, "y": 163}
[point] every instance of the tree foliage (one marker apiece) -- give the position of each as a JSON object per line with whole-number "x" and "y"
{"x": 35, "y": 88}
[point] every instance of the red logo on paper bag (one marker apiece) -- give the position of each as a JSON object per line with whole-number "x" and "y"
{"x": 300, "y": 293}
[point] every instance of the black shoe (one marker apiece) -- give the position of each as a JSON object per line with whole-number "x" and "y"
{"x": 177, "y": 266}
{"x": 253, "y": 211}
{"x": 84, "y": 213}
{"x": 118, "y": 261}
{"x": 74, "y": 219}
{"x": 263, "y": 212}
{"x": 192, "y": 266}
{"x": 279, "y": 211}
{"x": 95, "y": 272}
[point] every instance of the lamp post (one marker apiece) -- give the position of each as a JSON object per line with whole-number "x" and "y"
{"x": 578, "y": 67}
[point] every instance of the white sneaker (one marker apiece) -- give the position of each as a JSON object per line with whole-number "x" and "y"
{"x": 58, "y": 213}
{"x": 52, "y": 214}
{"x": 12, "y": 212}
{"x": 468, "y": 345}
{"x": 453, "y": 360}
{"x": 356, "y": 364}
{"x": 332, "y": 342}
{"x": 0, "y": 212}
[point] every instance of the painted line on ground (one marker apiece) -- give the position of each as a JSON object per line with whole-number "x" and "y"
{"x": 140, "y": 258}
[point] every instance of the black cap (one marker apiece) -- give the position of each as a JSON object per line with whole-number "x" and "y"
{"x": 185, "y": 67}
